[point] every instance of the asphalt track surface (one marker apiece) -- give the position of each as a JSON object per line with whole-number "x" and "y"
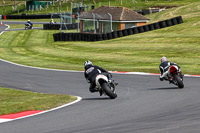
{"x": 3, "y": 28}
{"x": 144, "y": 104}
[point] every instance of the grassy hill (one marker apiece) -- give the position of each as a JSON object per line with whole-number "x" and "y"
{"x": 141, "y": 52}
{"x": 66, "y": 5}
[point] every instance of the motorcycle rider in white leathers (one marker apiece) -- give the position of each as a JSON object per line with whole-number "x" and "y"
{"x": 164, "y": 68}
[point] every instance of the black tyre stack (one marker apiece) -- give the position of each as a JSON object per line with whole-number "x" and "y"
{"x": 119, "y": 33}
{"x": 163, "y": 24}
{"x": 111, "y": 35}
{"x": 114, "y": 34}
{"x": 151, "y": 27}
{"x": 135, "y": 30}
{"x": 146, "y": 28}
{"x": 104, "y": 36}
{"x": 130, "y": 31}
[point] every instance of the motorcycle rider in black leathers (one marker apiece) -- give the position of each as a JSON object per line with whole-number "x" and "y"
{"x": 164, "y": 68}
{"x": 91, "y": 71}
{"x": 29, "y": 22}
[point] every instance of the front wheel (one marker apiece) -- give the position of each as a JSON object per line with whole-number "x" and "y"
{"x": 108, "y": 91}
{"x": 179, "y": 81}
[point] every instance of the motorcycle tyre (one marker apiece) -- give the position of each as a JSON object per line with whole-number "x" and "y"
{"x": 108, "y": 91}
{"x": 179, "y": 81}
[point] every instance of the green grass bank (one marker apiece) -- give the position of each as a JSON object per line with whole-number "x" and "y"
{"x": 141, "y": 52}
{"x": 7, "y": 7}
{"x": 14, "y": 101}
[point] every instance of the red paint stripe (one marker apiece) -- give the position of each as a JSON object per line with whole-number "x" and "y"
{"x": 194, "y": 75}
{"x": 154, "y": 73}
{"x": 20, "y": 114}
{"x": 120, "y": 72}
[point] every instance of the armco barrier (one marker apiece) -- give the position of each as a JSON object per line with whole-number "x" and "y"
{"x": 115, "y": 34}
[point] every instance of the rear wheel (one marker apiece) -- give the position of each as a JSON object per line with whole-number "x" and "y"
{"x": 108, "y": 91}
{"x": 179, "y": 81}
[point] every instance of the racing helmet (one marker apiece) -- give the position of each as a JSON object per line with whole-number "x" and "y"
{"x": 163, "y": 59}
{"x": 87, "y": 63}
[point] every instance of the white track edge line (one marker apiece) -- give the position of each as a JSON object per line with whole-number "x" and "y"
{"x": 37, "y": 67}
{"x": 5, "y": 29}
{"x": 116, "y": 72}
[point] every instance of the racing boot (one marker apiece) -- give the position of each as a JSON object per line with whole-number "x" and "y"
{"x": 92, "y": 90}
{"x": 100, "y": 92}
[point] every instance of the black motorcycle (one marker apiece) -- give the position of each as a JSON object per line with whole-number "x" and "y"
{"x": 28, "y": 26}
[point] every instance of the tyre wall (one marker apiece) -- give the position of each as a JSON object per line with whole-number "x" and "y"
{"x": 115, "y": 34}
{"x": 57, "y": 26}
{"x": 39, "y": 16}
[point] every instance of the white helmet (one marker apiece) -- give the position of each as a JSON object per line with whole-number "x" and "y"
{"x": 87, "y": 63}
{"x": 163, "y": 59}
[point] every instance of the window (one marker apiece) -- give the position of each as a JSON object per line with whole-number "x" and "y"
{"x": 130, "y": 25}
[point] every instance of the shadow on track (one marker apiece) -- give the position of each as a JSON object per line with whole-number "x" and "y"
{"x": 103, "y": 98}
{"x": 166, "y": 88}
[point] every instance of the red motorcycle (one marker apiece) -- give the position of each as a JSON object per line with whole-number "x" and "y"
{"x": 175, "y": 76}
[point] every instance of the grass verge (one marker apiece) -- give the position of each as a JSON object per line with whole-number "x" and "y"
{"x": 14, "y": 101}
{"x": 141, "y": 52}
